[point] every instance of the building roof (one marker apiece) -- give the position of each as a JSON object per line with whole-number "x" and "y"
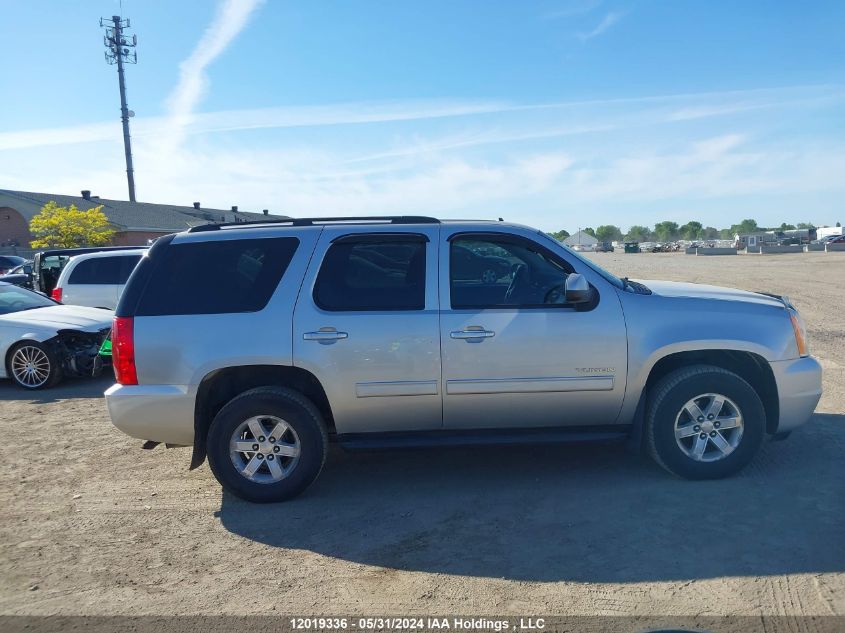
{"x": 129, "y": 216}
{"x": 580, "y": 238}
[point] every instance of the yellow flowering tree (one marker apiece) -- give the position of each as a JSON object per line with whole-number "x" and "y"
{"x": 68, "y": 227}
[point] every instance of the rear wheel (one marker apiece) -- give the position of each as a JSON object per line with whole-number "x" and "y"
{"x": 267, "y": 444}
{"x": 33, "y": 366}
{"x": 704, "y": 422}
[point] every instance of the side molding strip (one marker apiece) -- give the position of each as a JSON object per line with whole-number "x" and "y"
{"x": 529, "y": 385}
{"x": 396, "y": 388}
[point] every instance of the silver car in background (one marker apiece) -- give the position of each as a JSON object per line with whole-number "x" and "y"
{"x": 255, "y": 344}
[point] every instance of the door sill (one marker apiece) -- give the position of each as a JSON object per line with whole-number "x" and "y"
{"x": 475, "y": 437}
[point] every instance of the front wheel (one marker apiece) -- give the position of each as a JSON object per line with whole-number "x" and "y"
{"x": 267, "y": 444}
{"x": 704, "y": 422}
{"x": 32, "y": 365}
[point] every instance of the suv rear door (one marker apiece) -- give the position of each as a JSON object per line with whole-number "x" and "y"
{"x": 92, "y": 281}
{"x": 366, "y": 325}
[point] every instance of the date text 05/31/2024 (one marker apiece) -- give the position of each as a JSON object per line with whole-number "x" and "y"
{"x": 417, "y": 623}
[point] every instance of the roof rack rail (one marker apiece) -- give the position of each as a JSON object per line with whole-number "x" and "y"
{"x": 375, "y": 219}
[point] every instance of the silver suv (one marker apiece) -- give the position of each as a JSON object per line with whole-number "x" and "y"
{"x": 258, "y": 344}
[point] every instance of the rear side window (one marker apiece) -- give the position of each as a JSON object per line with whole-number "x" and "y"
{"x": 374, "y": 274}
{"x": 216, "y": 277}
{"x": 127, "y": 265}
{"x": 97, "y": 270}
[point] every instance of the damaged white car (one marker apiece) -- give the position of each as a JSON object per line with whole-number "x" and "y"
{"x": 43, "y": 341}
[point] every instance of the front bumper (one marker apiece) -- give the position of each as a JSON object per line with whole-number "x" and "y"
{"x": 161, "y": 413}
{"x": 799, "y": 384}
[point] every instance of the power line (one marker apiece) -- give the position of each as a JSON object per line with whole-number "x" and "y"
{"x": 120, "y": 51}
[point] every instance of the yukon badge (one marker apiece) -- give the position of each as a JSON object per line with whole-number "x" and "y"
{"x": 596, "y": 370}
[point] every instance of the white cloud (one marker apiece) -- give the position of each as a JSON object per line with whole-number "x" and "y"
{"x": 607, "y": 21}
{"x": 229, "y": 21}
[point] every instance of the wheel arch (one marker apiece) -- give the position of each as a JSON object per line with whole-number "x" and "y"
{"x": 221, "y": 385}
{"x": 750, "y": 366}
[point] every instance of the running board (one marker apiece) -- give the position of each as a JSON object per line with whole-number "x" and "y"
{"x": 476, "y": 437}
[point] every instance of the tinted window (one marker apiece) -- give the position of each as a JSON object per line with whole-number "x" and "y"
{"x": 215, "y": 277}
{"x": 492, "y": 272}
{"x": 98, "y": 270}
{"x": 376, "y": 274}
{"x": 127, "y": 265}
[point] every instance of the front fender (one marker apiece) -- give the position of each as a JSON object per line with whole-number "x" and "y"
{"x": 662, "y": 326}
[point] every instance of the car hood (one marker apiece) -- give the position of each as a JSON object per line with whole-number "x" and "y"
{"x": 677, "y": 289}
{"x": 61, "y": 317}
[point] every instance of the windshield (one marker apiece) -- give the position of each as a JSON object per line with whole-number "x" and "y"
{"x": 588, "y": 262}
{"x": 16, "y": 299}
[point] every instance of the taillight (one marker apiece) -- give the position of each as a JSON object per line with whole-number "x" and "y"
{"x": 57, "y": 294}
{"x": 123, "y": 350}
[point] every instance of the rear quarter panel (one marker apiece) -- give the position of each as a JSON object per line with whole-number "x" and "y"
{"x": 182, "y": 349}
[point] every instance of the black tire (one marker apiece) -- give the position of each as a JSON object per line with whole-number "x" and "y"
{"x": 667, "y": 399}
{"x": 298, "y": 412}
{"x": 54, "y": 372}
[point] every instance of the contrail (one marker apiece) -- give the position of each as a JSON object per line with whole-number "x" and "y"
{"x": 230, "y": 19}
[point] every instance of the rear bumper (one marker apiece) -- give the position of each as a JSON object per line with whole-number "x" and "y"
{"x": 161, "y": 413}
{"x": 799, "y": 384}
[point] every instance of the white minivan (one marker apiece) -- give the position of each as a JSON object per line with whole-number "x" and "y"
{"x": 96, "y": 279}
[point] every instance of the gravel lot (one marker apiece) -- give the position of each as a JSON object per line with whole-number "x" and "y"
{"x": 93, "y": 525}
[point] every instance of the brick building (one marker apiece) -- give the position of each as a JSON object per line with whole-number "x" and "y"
{"x": 134, "y": 222}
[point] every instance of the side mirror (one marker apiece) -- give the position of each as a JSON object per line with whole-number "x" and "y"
{"x": 577, "y": 289}
{"x": 27, "y": 269}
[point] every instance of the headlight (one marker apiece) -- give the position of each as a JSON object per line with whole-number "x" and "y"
{"x": 800, "y": 331}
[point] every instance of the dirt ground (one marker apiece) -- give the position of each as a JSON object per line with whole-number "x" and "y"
{"x": 90, "y": 524}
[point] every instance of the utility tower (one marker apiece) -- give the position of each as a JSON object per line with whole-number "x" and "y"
{"x": 120, "y": 51}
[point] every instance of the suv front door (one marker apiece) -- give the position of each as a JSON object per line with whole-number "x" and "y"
{"x": 366, "y": 325}
{"x": 513, "y": 354}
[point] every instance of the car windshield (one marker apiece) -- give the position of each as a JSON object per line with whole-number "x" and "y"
{"x": 16, "y": 299}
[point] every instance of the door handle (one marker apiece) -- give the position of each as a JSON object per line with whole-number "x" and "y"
{"x": 472, "y": 334}
{"x": 325, "y": 335}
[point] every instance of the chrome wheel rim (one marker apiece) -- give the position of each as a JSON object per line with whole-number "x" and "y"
{"x": 264, "y": 449}
{"x": 30, "y": 366}
{"x": 489, "y": 276}
{"x": 709, "y": 427}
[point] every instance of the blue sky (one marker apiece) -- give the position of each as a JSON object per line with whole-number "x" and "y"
{"x": 556, "y": 113}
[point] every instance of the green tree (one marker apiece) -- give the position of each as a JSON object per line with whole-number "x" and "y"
{"x": 710, "y": 233}
{"x": 805, "y": 225}
{"x": 67, "y": 227}
{"x": 560, "y": 235}
{"x": 727, "y": 234}
{"x": 691, "y": 230}
{"x": 608, "y": 233}
{"x": 638, "y": 234}
{"x": 744, "y": 227}
{"x": 666, "y": 231}
{"x": 786, "y": 227}
{"x": 838, "y": 224}
{"x": 590, "y": 231}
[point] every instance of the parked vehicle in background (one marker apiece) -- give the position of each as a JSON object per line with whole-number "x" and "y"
{"x": 8, "y": 262}
{"x": 604, "y": 247}
{"x": 42, "y": 341}
{"x": 95, "y": 279}
{"x": 837, "y": 240}
{"x": 20, "y": 275}
{"x": 470, "y": 264}
{"x": 47, "y": 265}
{"x": 256, "y": 344}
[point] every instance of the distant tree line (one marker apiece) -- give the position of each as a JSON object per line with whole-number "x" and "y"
{"x": 668, "y": 231}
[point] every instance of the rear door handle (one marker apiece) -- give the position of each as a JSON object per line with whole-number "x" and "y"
{"x": 472, "y": 334}
{"x": 325, "y": 335}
